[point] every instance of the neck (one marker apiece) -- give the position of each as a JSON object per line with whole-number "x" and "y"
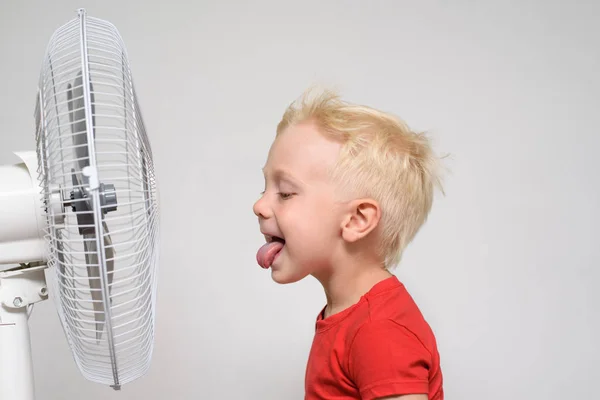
{"x": 345, "y": 286}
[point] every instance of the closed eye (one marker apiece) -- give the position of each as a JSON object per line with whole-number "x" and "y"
{"x": 285, "y": 196}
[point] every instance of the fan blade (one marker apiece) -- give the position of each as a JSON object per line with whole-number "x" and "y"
{"x": 76, "y": 105}
{"x": 93, "y": 270}
{"x": 109, "y": 255}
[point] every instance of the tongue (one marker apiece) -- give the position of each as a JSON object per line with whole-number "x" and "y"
{"x": 267, "y": 253}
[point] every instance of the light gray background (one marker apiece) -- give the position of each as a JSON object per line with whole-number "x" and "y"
{"x": 507, "y": 266}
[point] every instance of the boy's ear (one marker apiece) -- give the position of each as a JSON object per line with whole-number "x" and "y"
{"x": 362, "y": 218}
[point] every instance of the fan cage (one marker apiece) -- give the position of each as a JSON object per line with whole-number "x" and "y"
{"x": 111, "y": 345}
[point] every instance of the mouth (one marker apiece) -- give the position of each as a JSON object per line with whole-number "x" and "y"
{"x": 271, "y": 239}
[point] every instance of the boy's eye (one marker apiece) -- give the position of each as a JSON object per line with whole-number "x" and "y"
{"x": 285, "y": 196}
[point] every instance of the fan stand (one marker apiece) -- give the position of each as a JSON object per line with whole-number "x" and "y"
{"x": 20, "y": 288}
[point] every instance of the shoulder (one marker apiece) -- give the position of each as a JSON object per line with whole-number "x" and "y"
{"x": 386, "y": 357}
{"x": 392, "y": 350}
{"x": 392, "y": 301}
{"x": 386, "y": 339}
{"x": 394, "y": 312}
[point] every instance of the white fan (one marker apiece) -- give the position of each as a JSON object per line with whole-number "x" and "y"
{"x": 95, "y": 225}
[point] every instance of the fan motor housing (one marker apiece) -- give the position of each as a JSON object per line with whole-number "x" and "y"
{"x": 21, "y": 219}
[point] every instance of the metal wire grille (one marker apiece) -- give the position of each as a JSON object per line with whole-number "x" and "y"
{"x": 104, "y": 258}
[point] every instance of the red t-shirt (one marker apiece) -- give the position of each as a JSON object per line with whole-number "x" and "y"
{"x": 380, "y": 346}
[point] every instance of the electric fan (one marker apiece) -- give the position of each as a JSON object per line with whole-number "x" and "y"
{"x": 83, "y": 208}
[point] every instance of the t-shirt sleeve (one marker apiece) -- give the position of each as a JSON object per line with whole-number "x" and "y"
{"x": 387, "y": 359}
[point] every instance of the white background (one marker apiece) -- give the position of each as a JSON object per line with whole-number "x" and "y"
{"x": 506, "y": 268}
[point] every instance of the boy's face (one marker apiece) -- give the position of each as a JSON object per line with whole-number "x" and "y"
{"x": 299, "y": 205}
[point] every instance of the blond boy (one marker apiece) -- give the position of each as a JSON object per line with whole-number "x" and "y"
{"x": 347, "y": 187}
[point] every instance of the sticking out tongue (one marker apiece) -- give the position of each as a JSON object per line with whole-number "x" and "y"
{"x": 266, "y": 254}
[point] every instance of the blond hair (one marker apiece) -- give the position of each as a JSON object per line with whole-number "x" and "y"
{"x": 380, "y": 158}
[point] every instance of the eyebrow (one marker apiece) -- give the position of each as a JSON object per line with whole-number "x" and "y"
{"x": 283, "y": 175}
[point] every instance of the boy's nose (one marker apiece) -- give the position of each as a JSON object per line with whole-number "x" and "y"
{"x": 261, "y": 208}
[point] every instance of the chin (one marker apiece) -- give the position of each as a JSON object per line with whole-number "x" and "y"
{"x": 282, "y": 277}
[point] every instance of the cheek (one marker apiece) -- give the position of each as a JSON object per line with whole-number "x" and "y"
{"x": 309, "y": 223}
{"x": 313, "y": 233}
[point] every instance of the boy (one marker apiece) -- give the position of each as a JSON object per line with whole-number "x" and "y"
{"x": 347, "y": 187}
